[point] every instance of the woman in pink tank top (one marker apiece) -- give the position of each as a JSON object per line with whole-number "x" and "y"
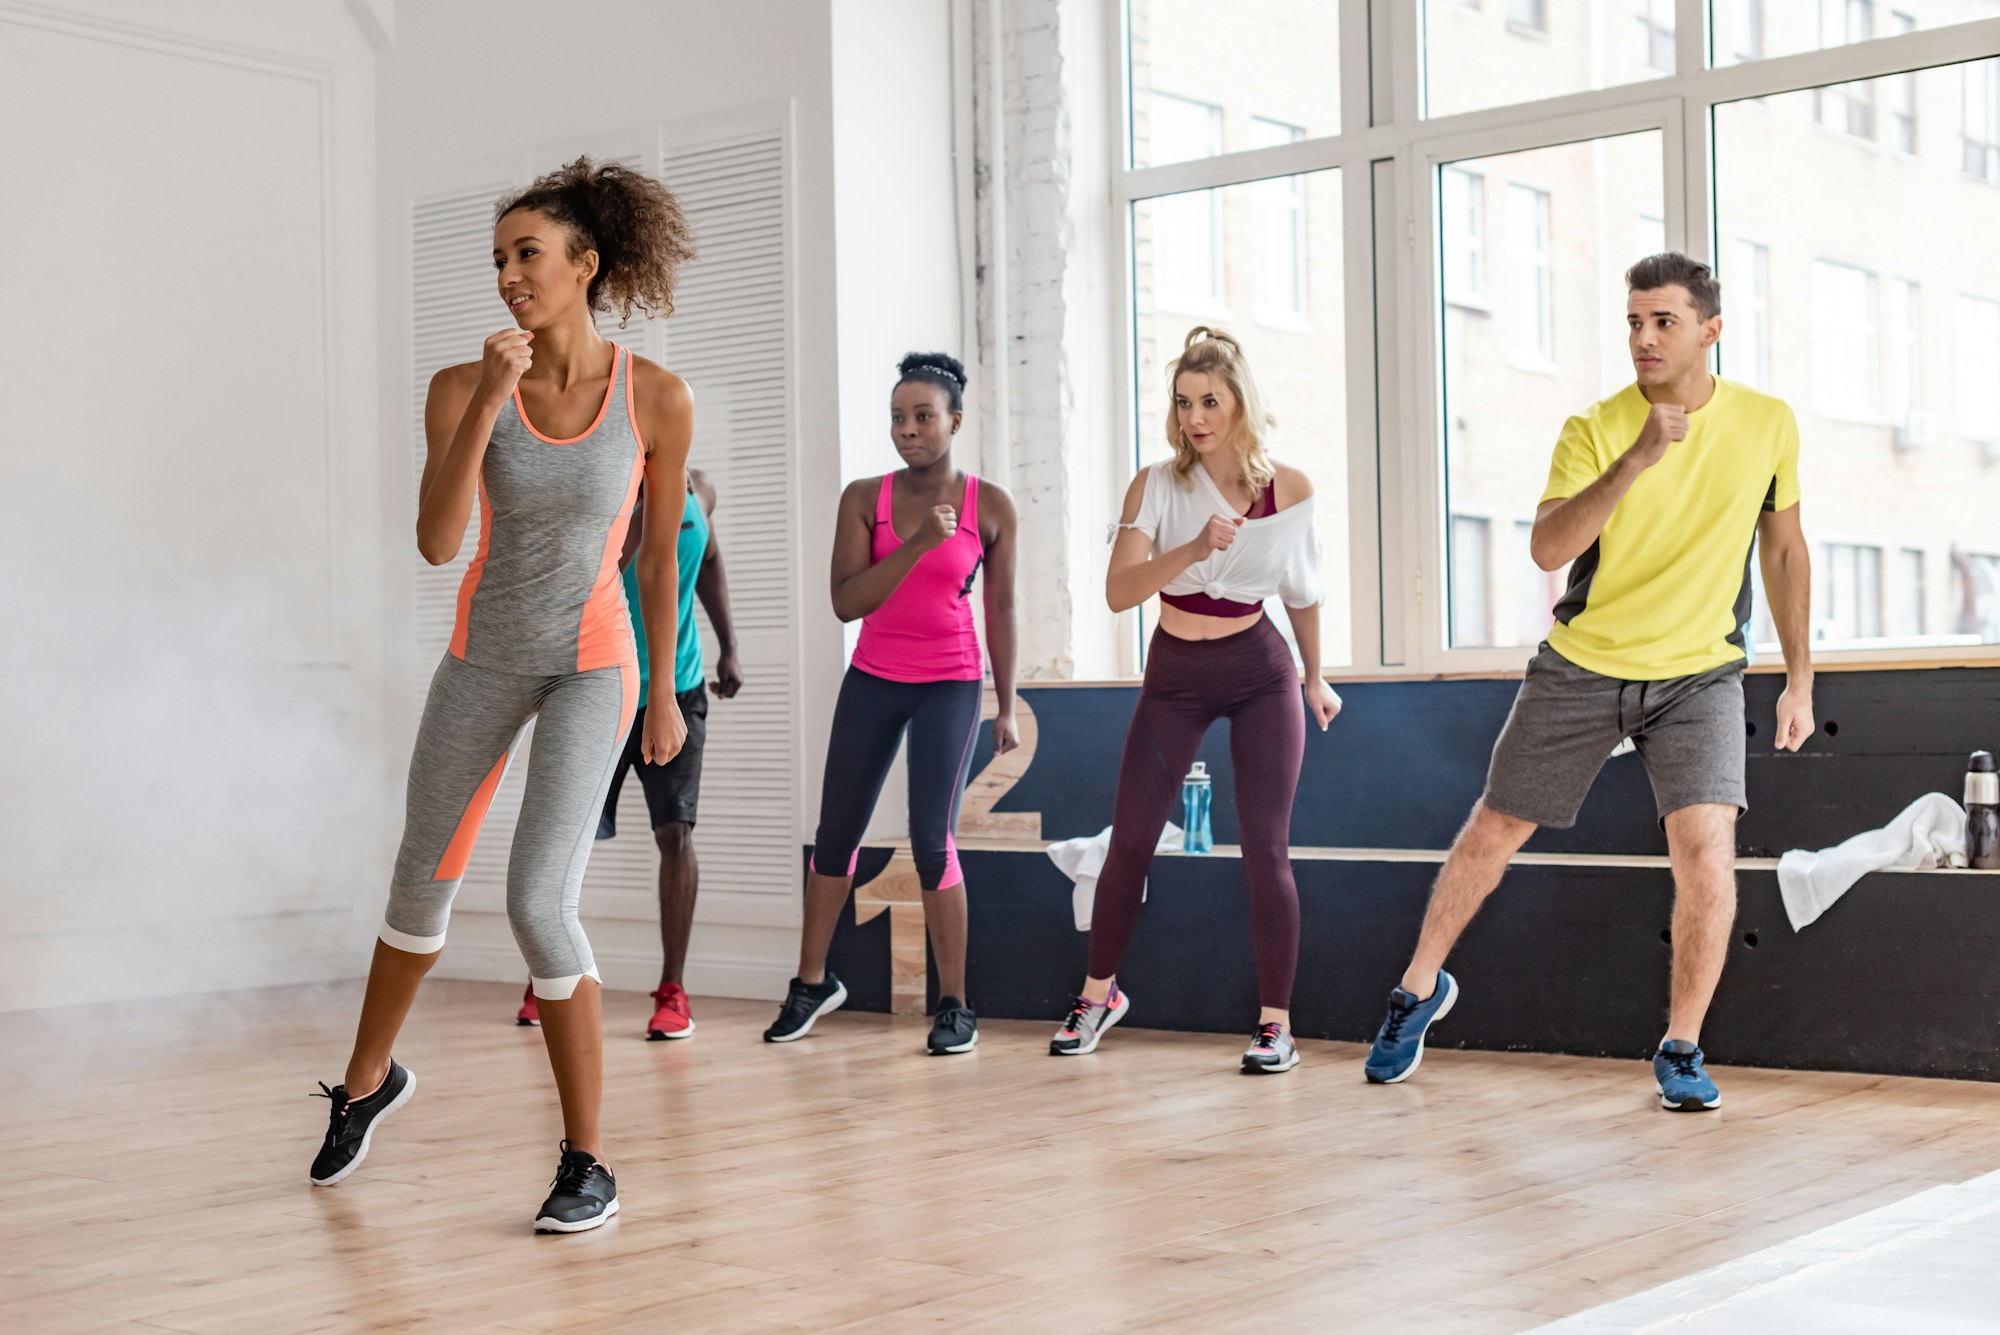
{"x": 907, "y": 549}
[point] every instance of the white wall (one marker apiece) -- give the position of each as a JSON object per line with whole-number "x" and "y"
{"x": 447, "y": 96}
{"x": 192, "y": 773}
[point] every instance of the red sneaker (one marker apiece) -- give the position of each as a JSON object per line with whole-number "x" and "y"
{"x": 671, "y": 1017}
{"x": 528, "y": 1017}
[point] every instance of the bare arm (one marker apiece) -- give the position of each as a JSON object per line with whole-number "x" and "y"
{"x": 860, "y": 583}
{"x": 459, "y": 412}
{"x": 1136, "y": 574}
{"x": 996, "y": 513}
{"x": 711, "y": 585}
{"x": 1566, "y": 526}
{"x": 1787, "y": 561}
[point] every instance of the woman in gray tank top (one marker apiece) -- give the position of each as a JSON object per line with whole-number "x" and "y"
{"x": 550, "y": 435}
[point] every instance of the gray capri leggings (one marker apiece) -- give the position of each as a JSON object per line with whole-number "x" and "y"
{"x": 472, "y": 718}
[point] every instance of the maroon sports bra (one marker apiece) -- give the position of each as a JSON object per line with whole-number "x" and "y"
{"x": 1201, "y": 604}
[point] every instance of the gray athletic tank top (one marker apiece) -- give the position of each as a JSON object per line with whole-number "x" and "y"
{"x": 542, "y": 594}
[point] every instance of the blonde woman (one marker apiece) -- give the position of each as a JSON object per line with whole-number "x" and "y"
{"x": 1214, "y": 531}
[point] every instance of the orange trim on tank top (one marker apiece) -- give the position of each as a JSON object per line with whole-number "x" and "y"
{"x": 618, "y": 357}
{"x": 462, "y": 624}
{"x": 604, "y": 635}
{"x": 459, "y": 851}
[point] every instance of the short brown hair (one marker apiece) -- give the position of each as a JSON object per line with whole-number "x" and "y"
{"x": 1672, "y": 269}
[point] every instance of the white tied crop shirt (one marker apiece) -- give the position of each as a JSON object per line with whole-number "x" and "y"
{"x": 1278, "y": 554}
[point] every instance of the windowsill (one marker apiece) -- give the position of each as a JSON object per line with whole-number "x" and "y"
{"x": 1528, "y": 30}
{"x": 1534, "y": 365}
{"x": 1476, "y": 305}
{"x": 1975, "y": 176}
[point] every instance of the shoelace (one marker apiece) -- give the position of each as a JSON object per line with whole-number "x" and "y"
{"x": 338, "y": 1097}
{"x": 1399, "y": 1014}
{"x": 1682, "y": 1062}
{"x": 1079, "y": 1008}
{"x": 1267, "y": 1035}
{"x": 572, "y": 1174}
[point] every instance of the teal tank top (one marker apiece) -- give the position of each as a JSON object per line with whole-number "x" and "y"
{"x": 688, "y": 552}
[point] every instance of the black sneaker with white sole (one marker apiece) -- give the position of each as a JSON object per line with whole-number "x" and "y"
{"x": 954, "y": 1028}
{"x": 804, "y": 1005}
{"x": 583, "y": 1195}
{"x": 351, "y": 1125}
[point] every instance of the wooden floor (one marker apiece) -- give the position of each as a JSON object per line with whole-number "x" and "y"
{"x": 154, "y": 1167}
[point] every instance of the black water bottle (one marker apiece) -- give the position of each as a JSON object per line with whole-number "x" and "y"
{"x": 1982, "y": 811}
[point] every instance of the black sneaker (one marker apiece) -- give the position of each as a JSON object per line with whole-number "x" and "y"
{"x": 352, "y": 1124}
{"x": 583, "y": 1195}
{"x": 804, "y": 1004}
{"x": 954, "y": 1028}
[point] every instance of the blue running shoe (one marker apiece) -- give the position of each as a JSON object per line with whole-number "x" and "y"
{"x": 1399, "y": 1043}
{"x": 1684, "y": 1082}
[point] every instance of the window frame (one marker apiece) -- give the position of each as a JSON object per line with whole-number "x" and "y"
{"x": 1388, "y": 154}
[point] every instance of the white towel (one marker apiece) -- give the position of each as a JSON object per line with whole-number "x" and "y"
{"x": 1082, "y": 859}
{"x": 1929, "y": 833}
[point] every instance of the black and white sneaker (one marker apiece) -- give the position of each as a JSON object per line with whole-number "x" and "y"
{"x": 954, "y": 1028}
{"x": 1086, "y": 1023}
{"x": 583, "y": 1195}
{"x": 352, "y": 1123}
{"x": 804, "y": 1004}
{"x": 1271, "y": 1050}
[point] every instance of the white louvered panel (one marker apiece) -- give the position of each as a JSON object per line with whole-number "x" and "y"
{"x": 455, "y": 307}
{"x": 730, "y": 339}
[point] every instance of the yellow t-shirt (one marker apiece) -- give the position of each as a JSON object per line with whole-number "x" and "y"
{"x": 1665, "y": 589}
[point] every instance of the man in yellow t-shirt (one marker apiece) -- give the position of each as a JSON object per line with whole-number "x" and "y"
{"x": 1655, "y": 497}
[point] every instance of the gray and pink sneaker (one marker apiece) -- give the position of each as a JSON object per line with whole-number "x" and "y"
{"x": 1271, "y": 1050}
{"x": 1086, "y": 1022}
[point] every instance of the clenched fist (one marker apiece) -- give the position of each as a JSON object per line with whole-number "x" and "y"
{"x": 507, "y": 355}
{"x": 1216, "y": 535}
{"x": 1665, "y": 424}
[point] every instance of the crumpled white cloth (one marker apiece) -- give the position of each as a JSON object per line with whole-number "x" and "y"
{"x": 1082, "y": 859}
{"x": 1930, "y": 832}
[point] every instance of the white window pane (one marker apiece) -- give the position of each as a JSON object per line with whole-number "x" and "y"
{"x": 1478, "y": 56}
{"x": 1746, "y": 325}
{"x": 1752, "y": 29}
{"x": 1502, "y": 410}
{"x": 1846, "y": 354}
{"x": 1281, "y": 239}
{"x": 1183, "y": 128}
{"x": 1910, "y": 611}
{"x": 1471, "y": 568}
{"x": 1299, "y": 367}
{"x": 1462, "y": 211}
{"x": 1235, "y": 60}
{"x": 1978, "y": 369}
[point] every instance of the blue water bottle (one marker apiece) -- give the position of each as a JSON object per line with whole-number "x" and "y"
{"x": 1194, "y": 803}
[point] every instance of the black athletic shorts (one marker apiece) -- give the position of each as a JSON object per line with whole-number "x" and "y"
{"x": 672, "y": 789}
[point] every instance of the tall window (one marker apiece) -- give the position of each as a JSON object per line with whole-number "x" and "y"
{"x": 1910, "y": 618}
{"x": 1535, "y": 589}
{"x": 1851, "y": 592}
{"x": 1530, "y": 14}
{"x": 1187, "y": 229}
{"x": 1904, "y": 329}
{"x": 1746, "y": 315}
{"x": 1846, "y": 345}
{"x": 1903, "y": 96}
{"x": 1745, "y": 31}
{"x": 1656, "y": 34}
{"x": 1979, "y": 120}
{"x": 1847, "y": 108}
{"x": 1471, "y": 569}
{"x": 1530, "y": 318}
{"x": 1975, "y": 594}
{"x": 1281, "y": 231}
{"x": 1462, "y": 211}
{"x": 1978, "y": 349}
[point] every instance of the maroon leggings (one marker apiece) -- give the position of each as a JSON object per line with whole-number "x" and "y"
{"x": 1250, "y": 679}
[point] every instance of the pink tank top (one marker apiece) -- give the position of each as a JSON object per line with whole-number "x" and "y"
{"x": 923, "y": 631}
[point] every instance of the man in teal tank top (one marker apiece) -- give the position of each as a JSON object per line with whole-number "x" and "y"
{"x": 673, "y": 789}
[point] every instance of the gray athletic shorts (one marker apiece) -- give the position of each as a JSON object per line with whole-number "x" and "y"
{"x": 1566, "y": 721}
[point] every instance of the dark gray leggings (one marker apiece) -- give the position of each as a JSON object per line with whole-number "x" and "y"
{"x": 942, "y": 718}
